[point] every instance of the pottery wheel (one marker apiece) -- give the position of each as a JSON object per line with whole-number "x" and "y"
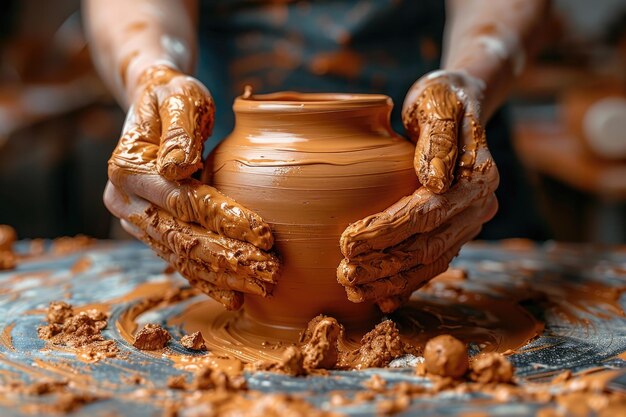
{"x": 566, "y": 287}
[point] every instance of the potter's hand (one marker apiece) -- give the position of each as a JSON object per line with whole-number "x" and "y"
{"x": 219, "y": 246}
{"x": 391, "y": 254}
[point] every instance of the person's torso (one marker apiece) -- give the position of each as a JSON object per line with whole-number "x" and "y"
{"x": 357, "y": 46}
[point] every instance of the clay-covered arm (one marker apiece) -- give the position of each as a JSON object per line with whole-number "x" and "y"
{"x": 487, "y": 45}
{"x": 144, "y": 50}
{"x": 492, "y": 41}
{"x": 128, "y": 37}
{"x": 392, "y": 253}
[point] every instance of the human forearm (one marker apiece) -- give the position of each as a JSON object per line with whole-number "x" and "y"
{"x": 487, "y": 43}
{"x": 127, "y": 37}
{"x": 492, "y": 41}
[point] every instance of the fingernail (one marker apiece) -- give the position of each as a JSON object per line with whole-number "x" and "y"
{"x": 436, "y": 178}
{"x": 175, "y": 156}
{"x": 176, "y": 164}
{"x": 435, "y": 185}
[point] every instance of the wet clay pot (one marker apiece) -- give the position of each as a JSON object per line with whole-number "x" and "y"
{"x": 310, "y": 164}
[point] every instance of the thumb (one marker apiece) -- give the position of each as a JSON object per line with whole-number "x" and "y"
{"x": 186, "y": 122}
{"x": 437, "y": 114}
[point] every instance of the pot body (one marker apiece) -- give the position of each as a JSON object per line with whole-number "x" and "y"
{"x": 310, "y": 164}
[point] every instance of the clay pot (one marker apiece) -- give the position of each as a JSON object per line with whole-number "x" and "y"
{"x": 310, "y": 164}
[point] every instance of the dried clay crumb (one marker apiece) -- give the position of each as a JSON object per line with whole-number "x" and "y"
{"x": 81, "y": 265}
{"x": 446, "y": 356}
{"x": 8, "y": 260}
{"x": 67, "y": 244}
{"x": 80, "y": 331}
{"x": 319, "y": 349}
{"x": 68, "y": 402}
{"x": 207, "y": 379}
{"x": 321, "y": 343}
{"x": 393, "y": 405}
{"x": 582, "y": 397}
{"x": 151, "y": 337}
{"x": 375, "y": 383}
{"x": 562, "y": 377}
{"x": 42, "y": 387}
{"x": 252, "y": 404}
{"x": 378, "y": 347}
{"x": 177, "y": 382}
{"x": 193, "y": 341}
{"x": 491, "y": 374}
{"x": 291, "y": 363}
{"x": 8, "y": 236}
{"x": 61, "y": 399}
{"x": 132, "y": 379}
{"x": 58, "y": 312}
{"x": 491, "y": 367}
{"x": 37, "y": 247}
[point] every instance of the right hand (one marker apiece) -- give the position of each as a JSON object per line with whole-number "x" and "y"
{"x": 218, "y": 245}
{"x": 390, "y": 254}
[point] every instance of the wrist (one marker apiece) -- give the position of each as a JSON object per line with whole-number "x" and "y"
{"x": 470, "y": 90}
{"x": 142, "y": 70}
{"x": 460, "y": 79}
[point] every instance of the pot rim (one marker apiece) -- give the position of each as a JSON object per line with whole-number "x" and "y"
{"x": 293, "y": 101}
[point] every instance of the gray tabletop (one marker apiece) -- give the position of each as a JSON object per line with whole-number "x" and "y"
{"x": 594, "y": 339}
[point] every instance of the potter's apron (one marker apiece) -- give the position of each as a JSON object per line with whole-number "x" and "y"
{"x": 356, "y": 46}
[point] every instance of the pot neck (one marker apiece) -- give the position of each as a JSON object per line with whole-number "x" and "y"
{"x": 308, "y": 114}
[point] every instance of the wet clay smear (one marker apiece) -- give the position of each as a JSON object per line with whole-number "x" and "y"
{"x": 109, "y": 330}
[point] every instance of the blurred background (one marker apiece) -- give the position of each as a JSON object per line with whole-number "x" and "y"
{"x": 58, "y": 125}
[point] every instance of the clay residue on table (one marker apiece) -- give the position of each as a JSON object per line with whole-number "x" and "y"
{"x": 207, "y": 378}
{"x": 151, "y": 337}
{"x": 493, "y": 323}
{"x": 290, "y": 363}
{"x": 320, "y": 343}
{"x": 491, "y": 367}
{"x": 193, "y": 341}
{"x": 63, "y": 399}
{"x": 446, "y": 360}
{"x": 378, "y": 347}
{"x": 448, "y": 305}
{"x": 321, "y": 348}
{"x": 78, "y": 331}
{"x": 222, "y": 403}
{"x": 490, "y": 374}
{"x": 446, "y": 356}
{"x": 8, "y": 260}
{"x": 8, "y": 236}
{"x": 68, "y": 244}
{"x": 63, "y": 403}
{"x": 588, "y": 396}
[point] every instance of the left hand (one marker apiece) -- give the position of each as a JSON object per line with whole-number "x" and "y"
{"x": 221, "y": 247}
{"x": 390, "y": 254}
